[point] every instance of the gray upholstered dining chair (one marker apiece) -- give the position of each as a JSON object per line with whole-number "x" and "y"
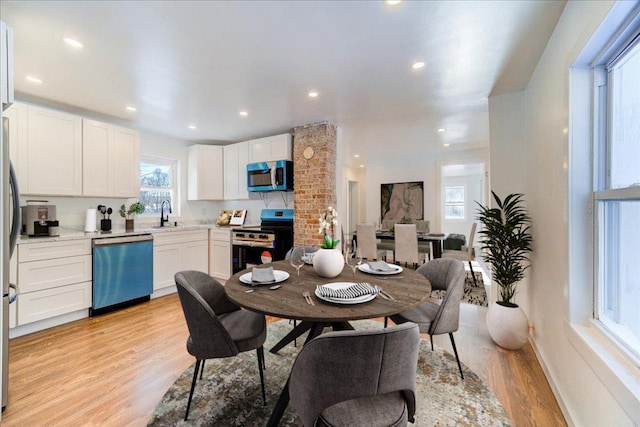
{"x": 217, "y": 327}
{"x": 357, "y": 378}
{"x": 443, "y": 318}
{"x": 466, "y": 253}
{"x": 406, "y": 242}
{"x": 367, "y": 242}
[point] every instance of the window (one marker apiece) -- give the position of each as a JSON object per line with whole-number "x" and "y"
{"x": 158, "y": 182}
{"x": 616, "y": 196}
{"x": 454, "y": 202}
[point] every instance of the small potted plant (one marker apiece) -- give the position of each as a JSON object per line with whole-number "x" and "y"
{"x": 506, "y": 242}
{"x": 136, "y": 208}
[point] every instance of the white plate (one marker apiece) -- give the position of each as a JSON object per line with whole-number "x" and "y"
{"x": 280, "y": 276}
{"x": 366, "y": 269}
{"x": 343, "y": 285}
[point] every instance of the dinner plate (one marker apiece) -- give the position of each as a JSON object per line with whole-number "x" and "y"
{"x": 343, "y": 285}
{"x": 280, "y": 276}
{"x": 366, "y": 269}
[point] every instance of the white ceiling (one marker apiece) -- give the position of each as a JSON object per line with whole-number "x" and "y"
{"x": 198, "y": 62}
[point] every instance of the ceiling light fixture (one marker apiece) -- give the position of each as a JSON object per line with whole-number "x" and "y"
{"x": 33, "y": 79}
{"x": 441, "y": 130}
{"x": 243, "y": 113}
{"x": 361, "y": 166}
{"x": 356, "y": 155}
{"x": 73, "y": 42}
{"x": 313, "y": 94}
{"x": 130, "y": 108}
{"x": 445, "y": 145}
{"x": 192, "y": 127}
{"x": 392, "y": 2}
{"x": 417, "y": 65}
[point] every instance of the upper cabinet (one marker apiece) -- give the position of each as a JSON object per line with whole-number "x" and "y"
{"x": 111, "y": 160}
{"x": 205, "y": 174}
{"x": 271, "y": 148}
{"x": 236, "y": 157}
{"x": 54, "y": 153}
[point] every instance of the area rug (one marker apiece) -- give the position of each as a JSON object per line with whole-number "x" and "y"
{"x": 229, "y": 394}
{"x": 472, "y": 294}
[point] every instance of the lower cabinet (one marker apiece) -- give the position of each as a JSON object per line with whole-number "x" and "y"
{"x": 54, "y": 279}
{"x": 175, "y": 251}
{"x": 220, "y": 253}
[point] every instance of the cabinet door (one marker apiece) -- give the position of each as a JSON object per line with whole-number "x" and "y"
{"x": 97, "y": 158}
{"x": 195, "y": 256}
{"x": 220, "y": 260}
{"x": 49, "y": 303}
{"x": 281, "y": 147}
{"x": 205, "y": 174}
{"x": 259, "y": 150}
{"x": 126, "y": 165}
{"x": 17, "y": 115}
{"x": 54, "y": 153}
{"x": 236, "y": 157}
{"x": 243, "y": 160}
{"x": 167, "y": 261}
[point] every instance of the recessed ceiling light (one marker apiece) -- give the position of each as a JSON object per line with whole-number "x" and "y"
{"x": 34, "y": 79}
{"x": 130, "y": 108}
{"x": 73, "y": 43}
{"x": 192, "y": 127}
{"x": 356, "y": 155}
{"x": 313, "y": 94}
{"x": 361, "y": 166}
{"x": 417, "y": 65}
{"x": 243, "y": 113}
{"x": 392, "y": 2}
{"x": 441, "y": 130}
{"x": 445, "y": 145}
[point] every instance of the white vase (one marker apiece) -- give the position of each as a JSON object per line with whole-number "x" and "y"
{"x": 508, "y": 326}
{"x": 328, "y": 263}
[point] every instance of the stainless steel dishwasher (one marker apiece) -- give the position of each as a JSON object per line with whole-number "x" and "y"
{"x": 122, "y": 272}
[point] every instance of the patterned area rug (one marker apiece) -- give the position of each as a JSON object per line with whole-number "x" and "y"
{"x": 472, "y": 294}
{"x": 229, "y": 394}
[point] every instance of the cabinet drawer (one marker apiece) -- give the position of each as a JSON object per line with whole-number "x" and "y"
{"x": 47, "y": 250}
{"x": 171, "y": 237}
{"x": 48, "y": 303}
{"x": 221, "y": 234}
{"x": 51, "y": 273}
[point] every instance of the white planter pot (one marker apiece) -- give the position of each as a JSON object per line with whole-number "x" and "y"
{"x": 508, "y": 326}
{"x": 328, "y": 263}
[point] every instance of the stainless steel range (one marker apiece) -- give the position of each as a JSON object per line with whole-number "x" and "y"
{"x": 262, "y": 245}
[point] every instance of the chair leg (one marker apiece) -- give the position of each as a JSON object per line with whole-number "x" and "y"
{"x": 386, "y": 319}
{"x": 193, "y": 386}
{"x": 473, "y": 275}
{"x": 455, "y": 351}
{"x": 295, "y": 340}
{"x": 202, "y": 369}
{"x": 431, "y": 337}
{"x": 260, "y": 354}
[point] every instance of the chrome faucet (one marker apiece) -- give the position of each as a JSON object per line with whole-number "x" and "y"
{"x": 162, "y": 218}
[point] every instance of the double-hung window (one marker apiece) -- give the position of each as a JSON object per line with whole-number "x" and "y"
{"x": 616, "y": 195}
{"x": 454, "y": 202}
{"x": 158, "y": 183}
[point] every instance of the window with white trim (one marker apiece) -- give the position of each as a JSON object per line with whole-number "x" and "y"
{"x": 616, "y": 195}
{"x": 158, "y": 182}
{"x": 454, "y": 202}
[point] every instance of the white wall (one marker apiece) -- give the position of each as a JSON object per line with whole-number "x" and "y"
{"x": 584, "y": 390}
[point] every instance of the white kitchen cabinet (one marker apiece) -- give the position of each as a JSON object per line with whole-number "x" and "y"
{"x": 271, "y": 148}
{"x": 205, "y": 173}
{"x": 54, "y": 279}
{"x": 175, "y": 251}
{"x": 220, "y": 253}
{"x": 54, "y": 153}
{"x": 17, "y": 115}
{"x": 236, "y": 157}
{"x": 110, "y": 159}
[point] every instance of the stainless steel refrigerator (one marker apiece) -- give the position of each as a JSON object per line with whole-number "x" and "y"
{"x": 9, "y": 201}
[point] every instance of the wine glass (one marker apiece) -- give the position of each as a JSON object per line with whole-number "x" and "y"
{"x": 297, "y": 258}
{"x": 352, "y": 258}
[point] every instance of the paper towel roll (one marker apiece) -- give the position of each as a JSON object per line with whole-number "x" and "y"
{"x": 90, "y": 221}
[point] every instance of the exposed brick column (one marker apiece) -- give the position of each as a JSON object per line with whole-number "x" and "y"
{"x": 314, "y": 179}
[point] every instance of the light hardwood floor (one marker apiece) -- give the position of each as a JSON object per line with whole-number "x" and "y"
{"x": 112, "y": 370}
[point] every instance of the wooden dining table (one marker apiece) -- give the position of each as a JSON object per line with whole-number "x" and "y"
{"x": 407, "y": 288}
{"x": 434, "y": 239}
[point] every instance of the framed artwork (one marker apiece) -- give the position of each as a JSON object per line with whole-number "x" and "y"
{"x": 402, "y": 201}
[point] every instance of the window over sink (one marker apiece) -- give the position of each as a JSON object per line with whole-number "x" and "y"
{"x": 158, "y": 182}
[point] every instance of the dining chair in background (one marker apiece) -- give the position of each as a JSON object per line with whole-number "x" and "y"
{"x": 465, "y": 254}
{"x": 444, "y": 318}
{"x": 367, "y": 242}
{"x": 217, "y": 327}
{"x": 357, "y": 378}
{"x": 406, "y": 244}
{"x": 422, "y": 227}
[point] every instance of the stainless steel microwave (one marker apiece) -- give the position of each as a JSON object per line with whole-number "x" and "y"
{"x": 270, "y": 176}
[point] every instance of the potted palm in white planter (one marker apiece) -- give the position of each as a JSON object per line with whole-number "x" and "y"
{"x": 506, "y": 242}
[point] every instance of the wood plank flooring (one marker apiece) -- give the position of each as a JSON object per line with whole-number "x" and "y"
{"x": 112, "y": 370}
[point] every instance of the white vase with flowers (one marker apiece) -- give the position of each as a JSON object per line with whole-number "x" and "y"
{"x": 328, "y": 261}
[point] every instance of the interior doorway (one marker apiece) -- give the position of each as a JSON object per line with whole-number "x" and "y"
{"x": 462, "y": 186}
{"x": 353, "y": 208}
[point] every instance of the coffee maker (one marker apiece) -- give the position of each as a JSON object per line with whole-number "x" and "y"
{"x": 39, "y": 220}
